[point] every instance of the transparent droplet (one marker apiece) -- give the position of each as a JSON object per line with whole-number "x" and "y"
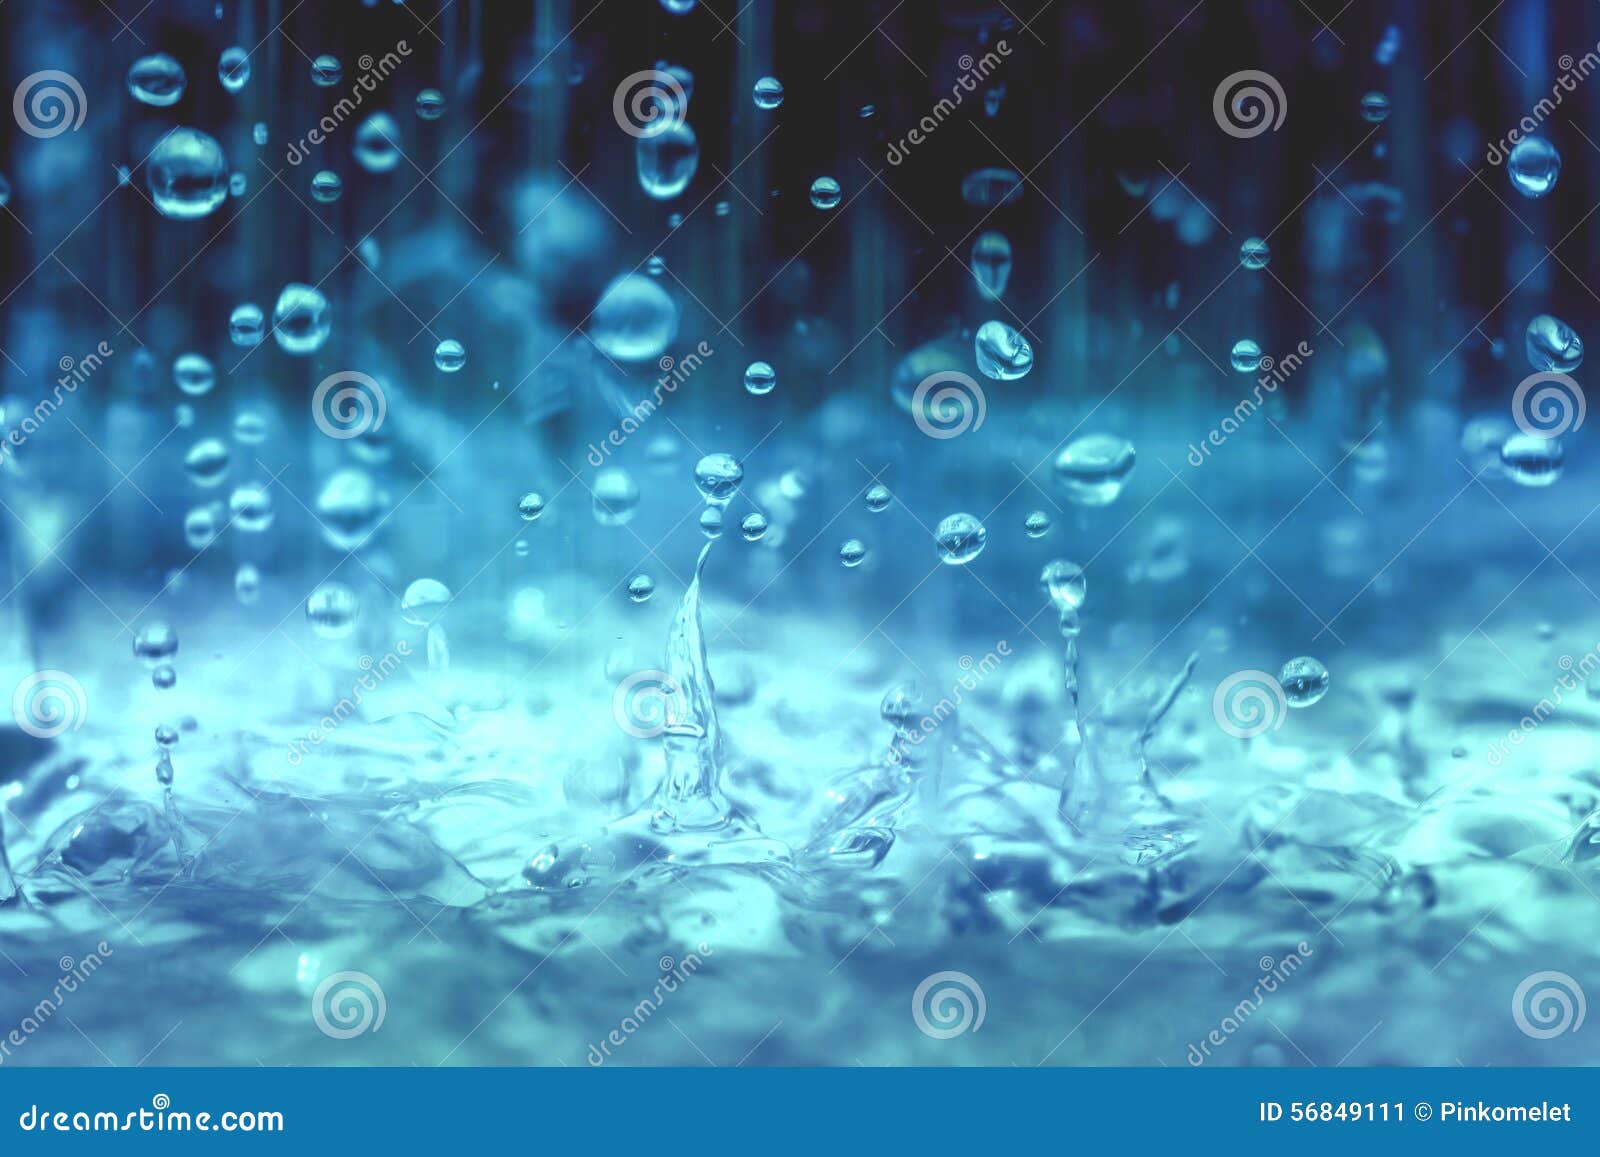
{"x": 635, "y": 319}
{"x": 754, "y": 527}
{"x": 826, "y": 193}
{"x": 1553, "y": 345}
{"x": 164, "y": 678}
{"x": 666, "y": 161}
{"x": 1094, "y": 468}
{"x": 194, "y": 374}
{"x": 247, "y": 325}
{"x": 1254, "y": 253}
{"x": 759, "y": 378}
{"x": 233, "y": 68}
{"x": 1003, "y": 354}
{"x": 449, "y": 356}
{"x": 250, "y": 508}
{"x": 247, "y": 585}
{"x": 201, "y": 527}
{"x": 332, "y": 610}
{"x": 986, "y": 188}
{"x": 711, "y": 520}
{"x": 157, "y": 80}
{"x": 960, "y": 538}
{"x": 206, "y": 463}
{"x": 1037, "y": 524}
{"x": 1532, "y": 461}
{"x": 377, "y": 143}
{"x": 430, "y": 104}
{"x": 530, "y": 506}
{"x": 1064, "y": 584}
{"x": 991, "y": 263}
{"x": 878, "y": 497}
{"x": 1533, "y": 166}
{"x": 258, "y": 133}
{"x": 1375, "y": 108}
{"x": 768, "y": 92}
{"x": 853, "y": 552}
{"x": 156, "y": 643}
{"x": 349, "y": 509}
{"x": 301, "y": 321}
{"x": 238, "y": 183}
{"x": 641, "y": 587}
{"x": 249, "y": 428}
{"x": 717, "y": 476}
{"x": 424, "y": 601}
{"x": 326, "y": 71}
{"x": 188, "y": 174}
{"x": 616, "y": 497}
{"x": 326, "y": 187}
{"x": 1304, "y": 681}
{"x": 1245, "y": 356}
{"x": 167, "y": 735}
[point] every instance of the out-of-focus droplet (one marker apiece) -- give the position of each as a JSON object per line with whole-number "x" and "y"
{"x": 206, "y": 463}
{"x": 157, "y": 80}
{"x": 986, "y": 188}
{"x": 377, "y": 143}
{"x": 1094, "y": 468}
{"x": 188, "y": 175}
{"x": 430, "y": 104}
{"x": 247, "y": 325}
{"x": 194, "y": 374}
{"x": 1530, "y": 460}
{"x": 635, "y": 319}
{"x": 332, "y": 610}
{"x": 424, "y": 601}
{"x": 233, "y": 68}
{"x": 616, "y": 497}
{"x": 247, "y": 585}
{"x": 991, "y": 263}
{"x": 666, "y": 161}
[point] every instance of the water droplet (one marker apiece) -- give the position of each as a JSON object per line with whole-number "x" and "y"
{"x": 449, "y": 356}
{"x": 616, "y": 497}
{"x": 332, "y": 610}
{"x": 167, "y": 735}
{"x": 156, "y": 643}
{"x": 1388, "y": 47}
{"x": 377, "y": 143}
{"x": 1037, "y": 524}
{"x": 247, "y": 585}
{"x": 768, "y": 92}
{"x": 163, "y": 678}
{"x": 1533, "y": 166}
{"x": 666, "y": 161}
{"x": 635, "y": 319}
{"x": 249, "y": 428}
{"x": 430, "y": 104}
{"x": 1064, "y": 584}
{"x": 530, "y": 506}
{"x": 1375, "y": 108}
{"x": 825, "y": 193}
{"x": 641, "y": 588}
{"x": 1245, "y": 356}
{"x": 200, "y": 527}
{"x": 1531, "y": 460}
{"x": 986, "y": 188}
{"x": 991, "y": 263}
{"x": 867, "y": 110}
{"x": 878, "y": 497}
{"x": 237, "y": 184}
{"x": 188, "y": 174}
{"x": 349, "y": 509}
{"x": 247, "y": 325}
{"x": 233, "y": 68}
{"x": 754, "y": 527}
{"x": 250, "y": 507}
{"x": 326, "y": 71}
{"x": 300, "y": 320}
{"x": 194, "y": 374}
{"x": 259, "y": 133}
{"x": 717, "y": 476}
{"x": 711, "y": 522}
{"x": 655, "y": 267}
{"x": 206, "y": 463}
{"x": 326, "y": 187}
{"x": 1304, "y": 681}
{"x": 960, "y": 538}
{"x": 1254, "y": 253}
{"x": 1553, "y": 345}
{"x": 1094, "y": 468}
{"x": 679, "y": 7}
{"x": 1003, "y": 353}
{"x": 759, "y": 378}
{"x": 5, "y": 191}
{"x": 424, "y": 601}
{"x": 853, "y": 552}
{"x": 157, "y": 80}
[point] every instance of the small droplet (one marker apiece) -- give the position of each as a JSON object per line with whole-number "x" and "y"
{"x": 991, "y": 263}
{"x": 163, "y": 678}
{"x": 200, "y": 527}
{"x": 711, "y": 522}
{"x": 754, "y": 527}
{"x": 768, "y": 92}
{"x": 300, "y": 320}
{"x": 332, "y": 610}
{"x": 960, "y": 538}
{"x": 233, "y": 68}
{"x": 853, "y": 552}
{"x": 247, "y": 325}
{"x": 250, "y": 508}
{"x": 1533, "y": 166}
{"x": 717, "y": 476}
{"x": 206, "y": 463}
{"x": 194, "y": 374}
{"x": 987, "y": 188}
{"x": 1003, "y": 354}
{"x": 167, "y": 735}
{"x": 641, "y": 588}
{"x": 155, "y": 644}
{"x": 530, "y": 506}
{"x": 157, "y": 80}
{"x": 825, "y": 193}
{"x": 1254, "y": 253}
{"x": 424, "y": 601}
{"x": 1375, "y": 108}
{"x": 258, "y": 134}
{"x": 616, "y": 497}
{"x": 449, "y": 356}
{"x": 326, "y": 187}
{"x": 430, "y": 104}
{"x": 188, "y": 175}
{"x": 1245, "y": 356}
{"x": 326, "y": 71}
{"x": 759, "y": 378}
{"x": 666, "y": 161}
{"x": 377, "y": 143}
{"x": 1037, "y": 524}
{"x": 878, "y": 497}
{"x": 1063, "y": 582}
{"x": 247, "y": 585}
{"x": 1304, "y": 681}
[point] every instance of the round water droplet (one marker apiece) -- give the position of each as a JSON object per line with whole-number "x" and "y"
{"x": 878, "y": 497}
{"x": 250, "y": 428}
{"x": 326, "y": 187}
{"x": 449, "y": 356}
{"x": 250, "y": 507}
{"x": 167, "y": 735}
{"x": 1375, "y": 108}
{"x": 301, "y": 321}
{"x": 377, "y": 143}
{"x": 853, "y": 552}
{"x": 1254, "y": 253}
{"x": 1553, "y": 345}
{"x": 1532, "y": 461}
{"x": 1064, "y": 584}
{"x": 768, "y": 92}
{"x": 1533, "y": 166}
{"x": 201, "y": 527}
{"x": 616, "y": 497}
{"x": 237, "y": 184}
{"x": 1094, "y": 468}
{"x": 717, "y": 476}
{"x": 326, "y": 71}
{"x": 206, "y": 463}
{"x": 641, "y": 588}
{"x": 1003, "y": 353}
{"x": 1037, "y": 524}
{"x": 960, "y": 538}
{"x": 530, "y": 506}
{"x": 164, "y": 678}
{"x": 635, "y": 319}
{"x": 825, "y": 193}
{"x": 332, "y": 610}
{"x": 991, "y": 263}
{"x": 349, "y": 509}
{"x": 754, "y": 527}
{"x": 155, "y": 644}
{"x": 666, "y": 161}
{"x": 759, "y": 378}
{"x": 986, "y": 188}
{"x": 1304, "y": 681}
{"x": 430, "y": 104}
{"x": 424, "y": 601}
{"x": 194, "y": 374}
{"x": 247, "y": 325}
{"x": 157, "y": 80}
{"x": 188, "y": 175}
{"x": 258, "y": 134}
{"x": 233, "y": 68}
{"x": 711, "y": 522}
{"x": 247, "y": 585}
{"x": 1245, "y": 356}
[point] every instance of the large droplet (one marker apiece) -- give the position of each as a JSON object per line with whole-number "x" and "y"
{"x": 1304, "y": 681}
{"x": 188, "y": 175}
{"x": 1093, "y": 469}
{"x": 233, "y": 68}
{"x": 157, "y": 80}
{"x": 960, "y": 538}
{"x": 635, "y": 319}
{"x": 300, "y": 321}
{"x": 717, "y": 476}
{"x": 1003, "y": 354}
{"x": 667, "y": 160}
{"x": 1553, "y": 345}
{"x": 424, "y": 601}
{"x": 1533, "y": 167}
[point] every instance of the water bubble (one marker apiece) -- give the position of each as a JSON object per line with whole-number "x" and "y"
{"x": 247, "y": 325}
{"x": 754, "y": 527}
{"x": 237, "y": 184}
{"x": 1553, "y": 345}
{"x": 853, "y": 552}
{"x": 1304, "y": 681}
{"x": 991, "y": 263}
{"x": 986, "y": 188}
{"x": 1064, "y": 583}
{"x": 194, "y": 374}
{"x": 156, "y": 643}
{"x": 1037, "y": 524}
{"x": 825, "y": 193}
{"x": 349, "y": 509}
{"x": 641, "y": 587}
{"x": 449, "y": 356}
{"x": 616, "y": 497}
{"x": 759, "y": 378}
{"x": 1254, "y": 253}
{"x": 530, "y": 506}
{"x": 233, "y": 68}
{"x": 332, "y": 610}
{"x": 250, "y": 428}
{"x": 768, "y": 92}
{"x": 878, "y": 497}
{"x": 183, "y": 415}
{"x": 1375, "y": 108}
{"x": 654, "y": 266}
{"x": 157, "y": 80}
{"x": 522, "y": 548}
{"x": 166, "y": 735}
{"x": 711, "y": 520}
{"x": 1094, "y": 468}
{"x": 250, "y": 507}
{"x": 200, "y": 527}
{"x": 326, "y": 187}
{"x": 1003, "y": 353}
{"x": 377, "y": 143}
{"x": 164, "y": 678}
{"x": 960, "y": 538}
{"x": 902, "y": 705}
{"x": 188, "y": 174}
{"x": 247, "y": 585}
{"x": 206, "y": 463}
{"x": 717, "y": 476}
{"x": 259, "y": 133}
{"x": 635, "y": 319}
{"x": 1530, "y": 460}
{"x": 326, "y": 71}
{"x": 1533, "y": 166}
{"x": 1245, "y": 356}
{"x": 424, "y": 601}
{"x": 300, "y": 320}
{"x": 666, "y": 161}
{"x": 866, "y": 111}
{"x": 430, "y": 104}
